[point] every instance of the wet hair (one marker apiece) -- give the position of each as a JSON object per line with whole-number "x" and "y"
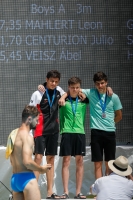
{"x": 99, "y": 76}
{"x": 53, "y": 74}
{"x": 74, "y": 80}
{"x": 29, "y": 111}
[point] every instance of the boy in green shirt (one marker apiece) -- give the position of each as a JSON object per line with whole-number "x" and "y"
{"x": 72, "y": 118}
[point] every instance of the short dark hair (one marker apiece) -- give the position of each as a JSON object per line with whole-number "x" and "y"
{"x": 99, "y": 76}
{"x": 53, "y": 74}
{"x": 74, "y": 80}
{"x": 29, "y": 111}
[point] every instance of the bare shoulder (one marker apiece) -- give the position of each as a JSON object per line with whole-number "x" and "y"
{"x": 22, "y": 132}
{"x": 25, "y": 136}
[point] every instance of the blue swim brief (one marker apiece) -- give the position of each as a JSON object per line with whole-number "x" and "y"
{"x": 20, "y": 180}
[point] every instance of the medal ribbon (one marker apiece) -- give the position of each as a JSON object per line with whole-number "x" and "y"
{"x": 53, "y": 97}
{"x": 103, "y": 105}
{"x": 74, "y": 108}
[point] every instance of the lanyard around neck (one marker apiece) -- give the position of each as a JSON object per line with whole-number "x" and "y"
{"x": 74, "y": 108}
{"x": 103, "y": 105}
{"x": 53, "y": 97}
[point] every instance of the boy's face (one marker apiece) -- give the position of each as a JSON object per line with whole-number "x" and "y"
{"x": 101, "y": 86}
{"x": 74, "y": 89}
{"x": 52, "y": 83}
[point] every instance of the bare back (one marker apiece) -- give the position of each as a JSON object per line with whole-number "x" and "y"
{"x": 23, "y": 148}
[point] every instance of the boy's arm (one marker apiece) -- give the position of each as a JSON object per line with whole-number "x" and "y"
{"x": 118, "y": 116}
{"x": 61, "y": 101}
{"x": 82, "y": 96}
{"x": 27, "y": 156}
{"x": 109, "y": 91}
